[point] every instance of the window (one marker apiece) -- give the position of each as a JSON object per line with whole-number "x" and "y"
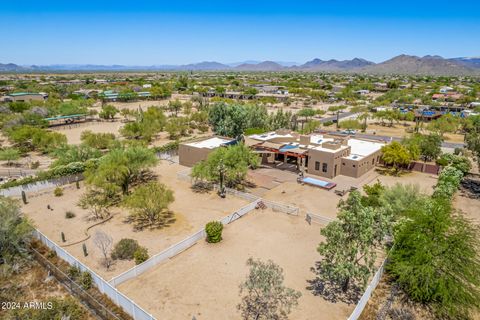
{"x": 354, "y": 166}
{"x": 317, "y": 165}
{"x": 343, "y": 163}
{"x": 324, "y": 167}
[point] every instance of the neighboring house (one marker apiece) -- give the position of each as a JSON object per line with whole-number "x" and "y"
{"x": 362, "y": 92}
{"x": 446, "y": 89}
{"x": 449, "y": 96}
{"x": 190, "y": 153}
{"x": 25, "y": 97}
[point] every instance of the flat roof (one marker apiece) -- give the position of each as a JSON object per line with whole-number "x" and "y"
{"x": 23, "y": 94}
{"x": 319, "y": 139}
{"x": 362, "y": 148}
{"x": 269, "y": 135}
{"x": 211, "y": 143}
{"x": 320, "y": 148}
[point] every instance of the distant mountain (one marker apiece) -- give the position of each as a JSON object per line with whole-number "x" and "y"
{"x": 262, "y": 66}
{"x": 206, "y": 65}
{"x": 282, "y": 63}
{"x": 402, "y": 64}
{"x": 10, "y": 67}
{"x": 428, "y": 65}
{"x": 335, "y": 65}
{"x": 472, "y": 62}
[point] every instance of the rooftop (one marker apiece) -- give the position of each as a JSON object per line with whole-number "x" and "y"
{"x": 210, "y": 143}
{"x": 269, "y": 135}
{"x": 16, "y": 94}
{"x": 362, "y": 148}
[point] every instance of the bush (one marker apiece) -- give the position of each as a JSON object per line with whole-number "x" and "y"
{"x": 125, "y": 249}
{"x": 86, "y": 280}
{"x": 73, "y": 272}
{"x": 58, "y": 192}
{"x": 69, "y": 214}
{"x": 214, "y": 231}
{"x": 35, "y": 165}
{"x": 327, "y": 123}
{"x": 140, "y": 255}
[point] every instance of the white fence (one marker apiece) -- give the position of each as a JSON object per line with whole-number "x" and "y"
{"x": 312, "y": 217}
{"x": 38, "y": 186}
{"x": 177, "y": 248}
{"x": 117, "y": 297}
{"x": 368, "y": 293}
{"x": 275, "y": 206}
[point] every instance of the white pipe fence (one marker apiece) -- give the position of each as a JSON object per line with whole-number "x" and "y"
{"x": 275, "y": 206}
{"x": 177, "y": 248}
{"x": 129, "y": 306}
{"x": 39, "y": 185}
{"x": 312, "y": 217}
{"x": 368, "y": 293}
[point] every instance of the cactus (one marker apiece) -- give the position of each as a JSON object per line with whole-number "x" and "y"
{"x": 24, "y": 197}
{"x": 77, "y": 184}
{"x": 63, "y": 237}
{"x": 84, "y": 247}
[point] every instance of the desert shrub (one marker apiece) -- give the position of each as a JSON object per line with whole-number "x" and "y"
{"x": 125, "y": 249}
{"x": 73, "y": 272}
{"x": 67, "y": 308}
{"x": 86, "y": 280}
{"x": 140, "y": 255}
{"x": 58, "y": 192}
{"x": 327, "y": 123}
{"x": 214, "y": 231}
{"x": 69, "y": 214}
{"x": 35, "y": 165}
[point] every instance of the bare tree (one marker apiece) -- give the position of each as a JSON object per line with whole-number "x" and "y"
{"x": 104, "y": 242}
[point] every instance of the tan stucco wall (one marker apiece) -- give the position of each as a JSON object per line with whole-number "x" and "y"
{"x": 330, "y": 158}
{"x": 357, "y": 168}
{"x": 188, "y": 155}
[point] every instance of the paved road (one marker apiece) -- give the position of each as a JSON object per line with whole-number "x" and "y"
{"x": 341, "y": 116}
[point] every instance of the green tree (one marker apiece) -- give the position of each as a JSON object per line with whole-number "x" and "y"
{"x": 235, "y": 161}
{"x": 108, "y": 112}
{"x": 436, "y": 259}
{"x": 348, "y": 252}
{"x": 149, "y": 204}
{"x": 430, "y": 147}
{"x": 70, "y": 153}
{"x": 175, "y": 106}
{"x": 100, "y": 141}
{"x": 264, "y": 294}
{"x": 228, "y": 119}
{"x": 9, "y": 155}
{"x": 119, "y": 168}
{"x": 15, "y": 232}
{"x": 396, "y": 154}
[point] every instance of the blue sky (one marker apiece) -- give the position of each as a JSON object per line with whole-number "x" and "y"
{"x": 166, "y": 32}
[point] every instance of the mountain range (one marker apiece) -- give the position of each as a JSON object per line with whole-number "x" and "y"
{"x": 402, "y": 64}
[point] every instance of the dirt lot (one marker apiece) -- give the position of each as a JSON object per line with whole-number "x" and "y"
{"x": 204, "y": 280}
{"x": 281, "y": 186}
{"x": 192, "y": 212}
{"x": 74, "y": 131}
{"x": 399, "y": 130}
